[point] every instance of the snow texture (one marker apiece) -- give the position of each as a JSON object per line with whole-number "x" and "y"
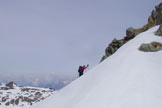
{"x": 127, "y": 79}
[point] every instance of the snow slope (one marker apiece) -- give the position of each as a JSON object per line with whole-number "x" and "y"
{"x": 128, "y": 79}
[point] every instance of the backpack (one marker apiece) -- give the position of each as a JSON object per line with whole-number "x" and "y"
{"x": 80, "y": 69}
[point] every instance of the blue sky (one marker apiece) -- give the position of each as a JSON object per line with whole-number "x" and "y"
{"x": 42, "y": 38}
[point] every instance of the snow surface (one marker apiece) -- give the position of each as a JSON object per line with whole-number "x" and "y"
{"x": 127, "y": 79}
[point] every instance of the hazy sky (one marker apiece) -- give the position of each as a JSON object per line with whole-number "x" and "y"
{"x": 54, "y": 37}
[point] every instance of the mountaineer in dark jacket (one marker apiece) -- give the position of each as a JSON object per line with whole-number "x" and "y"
{"x": 81, "y": 69}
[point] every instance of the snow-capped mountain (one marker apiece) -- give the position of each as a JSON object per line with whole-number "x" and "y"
{"x": 130, "y": 78}
{"x": 13, "y": 96}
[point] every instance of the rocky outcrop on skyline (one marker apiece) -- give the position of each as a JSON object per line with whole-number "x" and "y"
{"x": 153, "y": 20}
{"x": 159, "y": 31}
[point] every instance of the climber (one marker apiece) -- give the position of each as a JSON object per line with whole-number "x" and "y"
{"x": 81, "y": 69}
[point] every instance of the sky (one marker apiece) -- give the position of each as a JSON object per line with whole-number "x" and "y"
{"x": 45, "y": 40}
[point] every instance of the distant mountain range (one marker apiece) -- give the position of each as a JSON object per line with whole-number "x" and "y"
{"x": 45, "y": 81}
{"x": 13, "y": 96}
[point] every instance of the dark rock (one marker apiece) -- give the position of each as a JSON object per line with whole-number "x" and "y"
{"x": 110, "y": 50}
{"x": 12, "y": 101}
{"x": 159, "y": 31}
{"x": 4, "y": 88}
{"x": 154, "y": 15}
{"x": 152, "y": 47}
{"x": 146, "y": 48}
{"x": 20, "y": 97}
{"x": 52, "y": 89}
{"x": 113, "y": 47}
{"x": 38, "y": 94}
{"x": 10, "y": 85}
{"x": 103, "y": 58}
{"x": 158, "y": 7}
{"x": 158, "y": 18}
{"x": 150, "y": 19}
{"x": 156, "y": 44}
{"x": 7, "y": 104}
{"x": 122, "y": 42}
{"x": 17, "y": 101}
{"x": 27, "y": 99}
{"x": 9, "y": 93}
{"x": 44, "y": 90}
{"x": 115, "y": 44}
{"x": 25, "y": 89}
{"x": 114, "y": 41}
{"x": 130, "y": 32}
{"x": 4, "y": 99}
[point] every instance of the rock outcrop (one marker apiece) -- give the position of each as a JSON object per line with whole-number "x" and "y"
{"x": 154, "y": 19}
{"x": 113, "y": 47}
{"x": 10, "y": 85}
{"x": 151, "y": 47}
{"x": 159, "y": 31}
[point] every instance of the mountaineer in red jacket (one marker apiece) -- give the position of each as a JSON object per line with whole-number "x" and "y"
{"x": 81, "y": 69}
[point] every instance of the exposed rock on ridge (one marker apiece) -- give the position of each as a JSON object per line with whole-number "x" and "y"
{"x": 159, "y": 31}
{"x": 153, "y": 20}
{"x": 10, "y": 85}
{"x": 151, "y": 47}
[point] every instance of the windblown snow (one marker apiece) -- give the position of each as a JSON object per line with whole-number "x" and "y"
{"x": 128, "y": 79}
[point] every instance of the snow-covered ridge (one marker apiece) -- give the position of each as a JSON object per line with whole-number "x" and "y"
{"x": 128, "y": 79}
{"x": 13, "y": 96}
